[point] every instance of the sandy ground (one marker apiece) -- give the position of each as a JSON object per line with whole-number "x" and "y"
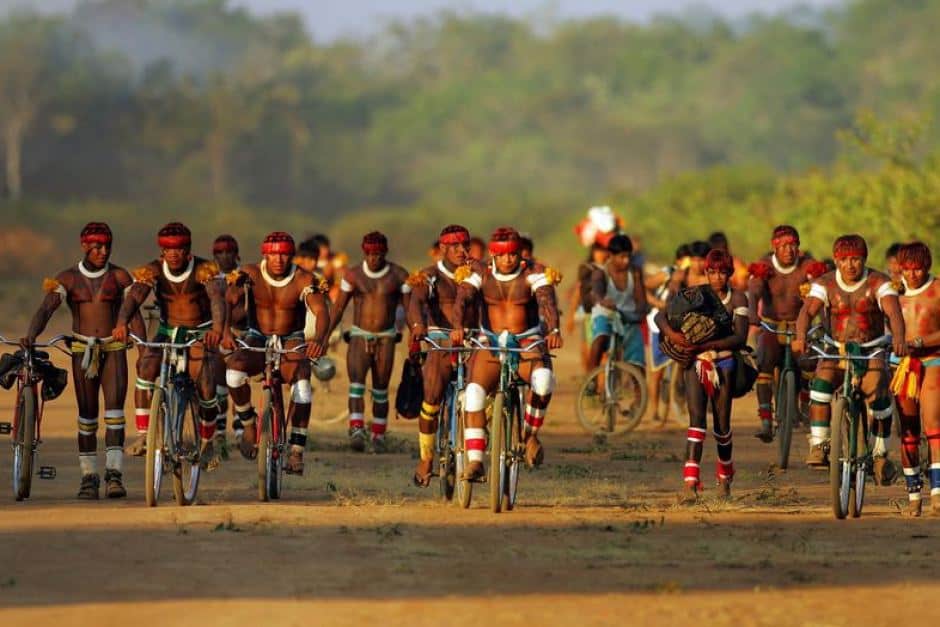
{"x": 597, "y": 538}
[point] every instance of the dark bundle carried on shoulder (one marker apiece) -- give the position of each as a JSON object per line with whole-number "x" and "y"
{"x": 411, "y": 389}
{"x": 699, "y": 314}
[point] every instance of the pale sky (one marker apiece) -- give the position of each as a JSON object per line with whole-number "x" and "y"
{"x": 329, "y": 19}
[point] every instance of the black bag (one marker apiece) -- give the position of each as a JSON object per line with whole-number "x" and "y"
{"x": 702, "y": 301}
{"x": 410, "y": 393}
{"x": 745, "y": 373}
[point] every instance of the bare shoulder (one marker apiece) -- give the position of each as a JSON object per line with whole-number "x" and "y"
{"x": 738, "y": 298}
{"x": 122, "y": 275}
{"x": 401, "y": 274}
{"x": 147, "y": 273}
{"x": 876, "y": 278}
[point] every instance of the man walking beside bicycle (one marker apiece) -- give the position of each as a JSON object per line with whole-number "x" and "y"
{"x": 708, "y": 373}
{"x": 856, "y": 300}
{"x": 916, "y": 383}
{"x": 517, "y": 300}
{"x": 431, "y": 315}
{"x": 775, "y": 289}
{"x": 190, "y": 297}
{"x": 280, "y": 296}
{"x": 617, "y": 290}
{"x": 376, "y": 288}
{"x": 93, "y": 290}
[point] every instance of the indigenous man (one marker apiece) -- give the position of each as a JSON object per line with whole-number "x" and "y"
{"x": 617, "y": 290}
{"x": 708, "y": 378}
{"x": 225, "y": 254}
{"x": 281, "y": 295}
{"x": 517, "y": 299}
{"x": 856, "y": 301}
{"x": 430, "y": 314}
{"x": 377, "y": 287}
{"x": 916, "y": 383}
{"x": 892, "y": 265}
{"x": 93, "y": 290}
{"x": 580, "y": 303}
{"x": 775, "y": 295}
{"x": 190, "y": 297}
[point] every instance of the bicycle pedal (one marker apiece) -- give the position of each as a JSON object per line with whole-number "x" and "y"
{"x": 47, "y": 472}
{"x": 6, "y": 428}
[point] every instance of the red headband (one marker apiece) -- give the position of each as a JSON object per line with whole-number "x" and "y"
{"x": 854, "y": 251}
{"x": 456, "y": 237}
{"x": 504, "y": 247}
{"x": 785, "y": 239}
{"x": 371, "y": 248}
{"x": 274, "y": 248}
{"x": 174, "y": 241}
{"x": 913, "y": 265}
{"x": 96, "y": 238}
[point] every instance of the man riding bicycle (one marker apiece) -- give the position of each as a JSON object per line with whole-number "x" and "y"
{"x": 775, "y": 295}
{"x": 431, "y": 315}
{"x": 519, "y": 300}
{"x": 856, "y": 300}
{"x": 190, "y": 297}
{"x": 93, "y": 289}
{"x": 617, "y": 290}
{"x": 281, "y": 294}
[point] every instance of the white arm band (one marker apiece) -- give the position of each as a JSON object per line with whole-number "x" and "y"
{"x": 345, "y": 285}
{"x": 817, "y": 291}
{"x": 475, "y": 280}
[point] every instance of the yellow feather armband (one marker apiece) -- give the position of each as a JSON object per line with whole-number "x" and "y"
{"x": 207, "y": 271}
{"x": 462, "y": 273}
{"x": 235, "y": 277}
{"x": 898, "y": 286}
{"x": 553, "y": 276}
{"x": 145, "y": 275}
{"x": 53, "y": 286}
{"x": 340, "y": 260}
{"x": 804, "y": 290}
{"x": 417, "y": 279}
{"x": 319, "y": 284}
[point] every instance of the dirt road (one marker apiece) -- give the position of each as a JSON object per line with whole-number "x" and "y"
{"x": 596, "y": 539}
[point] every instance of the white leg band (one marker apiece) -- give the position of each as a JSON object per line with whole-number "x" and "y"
{"x": 236, "y": 378}
{"x": 301, "y": 392}
{"x": 543, "y": 381}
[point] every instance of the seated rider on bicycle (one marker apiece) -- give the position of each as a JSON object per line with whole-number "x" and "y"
{"x": 518, "y": 299}
{"x": 708, "y": 378}
{"x": 617, "y": 290}
{"x": 280, "y": 295}
{"x": 430, "y": 314}
{"x": 775, "y": 294}
{"x": 225, "y": 254}
{"x": 856, "y": 300}
{"x": 191, "y": 300}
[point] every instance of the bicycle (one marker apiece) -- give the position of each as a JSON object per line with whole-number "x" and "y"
{"x": 787, "y": 395}
{"x": 449, "y": 446}
{"x": 613, "y": 396}
{"x": 272, "y": 429}
{"x": 847, "y": 468}
{"x": 506, "y": 446}
{"x": 173, "y": 440}
{"x": 26, "y": 428}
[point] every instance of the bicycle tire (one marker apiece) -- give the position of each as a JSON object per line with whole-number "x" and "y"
{"x": 153, "y": 460}
{"x": 857, "y": 491}
{"x": 516, "y": 456}
{"x": 445, "y": 453}
{"x": 838, "y": 459}
{"x": 786, "y": 417}
{"x": 265, "y": 453}
{"x": 596, "y": 414}
{"x": 464, "y": 488}
{"x": 23, "y": 447}
{"x": 497, "y": 453}
{"x": 187, "y": 467}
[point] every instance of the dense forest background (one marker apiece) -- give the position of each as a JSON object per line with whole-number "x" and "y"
{"x": 141, "y": 111}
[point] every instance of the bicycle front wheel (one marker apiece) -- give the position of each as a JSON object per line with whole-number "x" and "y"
{"x": 23, "y": 443}
{"x": 445, "y": 452}
{"x": 266, "y": 458}
{"x": 464, "y": 488}
{"x": 153, "y": 462}
{"x": 497, "y": 453}
{"x": 516, "y": 456}
{"x": 840, "y": 462}
{"x": 786, "y": 417}
{"x": 187, "y": 467}
{"x": 612, "y": 398}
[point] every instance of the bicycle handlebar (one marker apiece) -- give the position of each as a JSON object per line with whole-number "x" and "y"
{"x": 788, "y": 332}
{"x": 879, "y": 342}
{"x": 141, "y": 342}
{"x": 263, "y": 349}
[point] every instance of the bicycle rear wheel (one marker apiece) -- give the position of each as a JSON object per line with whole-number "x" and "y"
{"x": 618, "y": 404}
{"x": 444, "y": 450}
{"x": 187, "y": 467}
{"x": 266, "y": 457}
{"x": 786, "y": 417}
{"x": 840, "y": 465}
{"x": 153, "y": 462}
{"x": 516, "y": 456}
{"x": 497, "y": 453}
{"x": 23, "y": 443}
